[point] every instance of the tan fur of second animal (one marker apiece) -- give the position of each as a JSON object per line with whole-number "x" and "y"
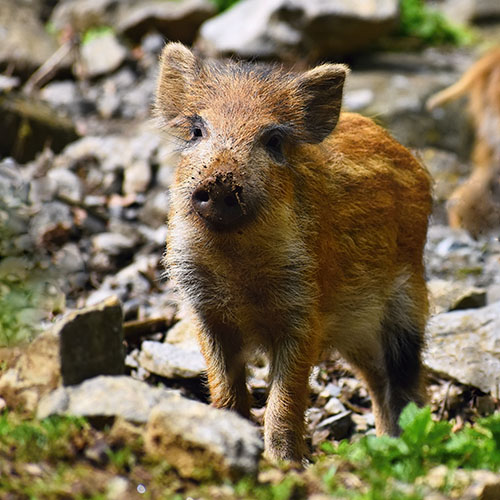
{"x": 293, "y": 230}
{"x": 475, "y": 205}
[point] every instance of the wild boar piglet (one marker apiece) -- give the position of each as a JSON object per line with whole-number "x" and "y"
{"x": 294, "y": 230}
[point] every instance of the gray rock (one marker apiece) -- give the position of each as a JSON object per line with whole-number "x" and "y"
{"x": 119, "y": 487}
{"x": 470, "y": 484}
{"x": 14, "y": 188}
{"x": 198, "y": 439}
{"x": 124, "y": 95}
{"x": 453, "y": 255}
{"x": 446, "y": 169}
{"x": 485, "y": 485}
{"x": 52, "y": 225}
{"x": 363, "y": 422}
{"x": 130, "y": 282}
{"x": 137, "y": 177}
{"x": 68, "y": 185}
{"x": 338, "y": 425}
{"x": 485, "y": 10}
{"x": 183, "y": 333}
{"x": 36, "y": 373}
{"x": 451, "y": 296}
{"x": 289, "y": 28}
{"x": 112, "y": 243}
{"x": 108, "y": 104}
{"x": 15, "y": 269}
{"x": 60, "y": 94}
{"x": 83, "y": 15}
{"x": 102, "y": 54}
{"x": 465, "y": 345}
{"x": 69, "y": 259}
{"x": 112, "y": 153}
{"x": 24, "y": 43}
{"x": 92, "y": 342}
{"x": 137, "y": 102}
{"x": 493, "y": 294}
{"x": 70, "y": 264}
{"x": 356, "y": 100}
{"x": 42, "y": 190}
{"x": 106, "y": 396}
{"x": 334, "y": 406}
{"x": 156, "y": 237}
{"x": 165, "y": 175}
{"x": 156, "y": 208}
{"x": 171, "y": 361}
{"x": 8, "y": 83}
{"x": 152, "y": 43}
{"x": 399, "y": 94}
{"x": 176, "y": 20}
{"x": 466, "y": 11}
{"x": 331, "y": 391}
{"x": 109, "y": 152}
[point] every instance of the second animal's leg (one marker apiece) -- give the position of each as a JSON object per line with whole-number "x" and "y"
{"x": 222, "y": 348}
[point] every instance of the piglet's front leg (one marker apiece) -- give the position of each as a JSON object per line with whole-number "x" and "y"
{"x": 284, "y": 424}
{"x": 221, "y": 346}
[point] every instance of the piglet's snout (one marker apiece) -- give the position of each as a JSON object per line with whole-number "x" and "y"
{"x": 219, "y": 201}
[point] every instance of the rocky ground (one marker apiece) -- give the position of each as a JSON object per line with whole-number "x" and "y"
{"x": 84, "y": 178}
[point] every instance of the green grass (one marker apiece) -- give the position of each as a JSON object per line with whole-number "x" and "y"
{"x": 17, "y": 301}
{"x": 371, "y": 468}
{"x": 224, "y": 4}
{"x": 18, "y": 297}
{"x": 96, "y": 32}
{"x": 50, "y": 439}
{"x": 430, "y": 26}
{"x": 291, "y": 486}
{"x": 385, "y": 464}
{"x": 465, "y": 272}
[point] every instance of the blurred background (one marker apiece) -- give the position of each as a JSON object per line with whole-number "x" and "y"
{"x": 84, "y": 174}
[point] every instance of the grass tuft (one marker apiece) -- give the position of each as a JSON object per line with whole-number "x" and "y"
{"x": 430, "y": 26}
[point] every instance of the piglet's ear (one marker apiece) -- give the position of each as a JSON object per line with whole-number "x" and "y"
{"x": 321, "y": 92}
{"x": 178, "y": 69}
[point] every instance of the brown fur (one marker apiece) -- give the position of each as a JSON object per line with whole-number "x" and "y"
{"x": 329, "y": 253}
{"x": 475, "y": 205}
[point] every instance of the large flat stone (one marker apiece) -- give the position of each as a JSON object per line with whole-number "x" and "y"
{"x": 199, "y": 440}
{"x": 287, "y": 29}
{"x": 176, "y": 20}
{"x": 172, "y": 361}
{"x": 465, "y": 345}
{"x": 36, "y": 373}
{"x": 24, "y": 43}
{"x": 106, "y": 396}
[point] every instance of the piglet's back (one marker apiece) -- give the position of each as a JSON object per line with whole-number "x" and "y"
{"x": 381, "y": 177}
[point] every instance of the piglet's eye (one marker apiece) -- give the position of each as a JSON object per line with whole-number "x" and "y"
{"x": 273, "y": 143}
{"x": 196, "y": 133}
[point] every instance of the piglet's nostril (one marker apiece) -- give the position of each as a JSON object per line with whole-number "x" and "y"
{"x": 201, "y": 195}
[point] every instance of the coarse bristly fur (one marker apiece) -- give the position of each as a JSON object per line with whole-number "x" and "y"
{"x": 475, "y": 205}
{"x": 327, "y": 253}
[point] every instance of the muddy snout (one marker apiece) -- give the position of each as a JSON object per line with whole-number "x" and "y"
{"x": 219, "y": 200}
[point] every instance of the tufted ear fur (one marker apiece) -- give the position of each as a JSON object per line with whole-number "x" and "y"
{"x": 321, "y": 91}
{"x": 179, "y": 67}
